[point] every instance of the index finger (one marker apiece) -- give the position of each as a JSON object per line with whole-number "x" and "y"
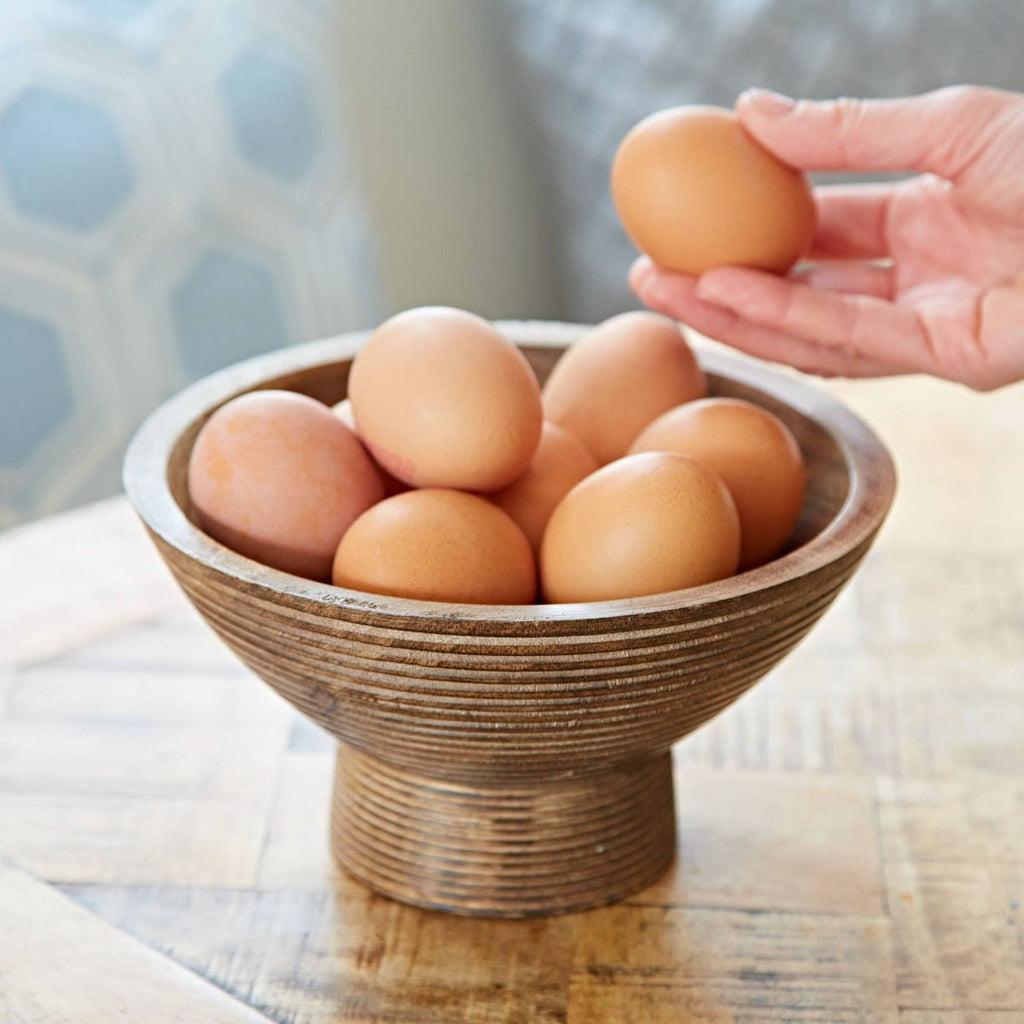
{"x": 944, "y": 132}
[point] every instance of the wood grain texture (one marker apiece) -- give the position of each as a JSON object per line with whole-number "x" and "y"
{"x": 537, "y": 847}
{"x": 670, "y": 964}
{"x": 61, "y": 965}
{"x": 100, "y": 587}
{"x": 346, "y": 954}
{"x": 815, "y": 843}
{"x": 303, "y": 944}
{"x": 899, "y": 714}
{"x": 539, "y": 717}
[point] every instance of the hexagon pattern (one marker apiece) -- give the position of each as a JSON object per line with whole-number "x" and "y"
{"x": 158, "y": 200}
{"x": 62, "y": 160}
{"x": 271, "y": 113}
{"x": 226, "y": 308}
{"x": 36, "y": 398}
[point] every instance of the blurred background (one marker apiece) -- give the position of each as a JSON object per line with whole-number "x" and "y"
{"x": 184, "y": 183}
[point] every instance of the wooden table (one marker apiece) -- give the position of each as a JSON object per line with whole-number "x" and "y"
{"x": 851, "y": 833}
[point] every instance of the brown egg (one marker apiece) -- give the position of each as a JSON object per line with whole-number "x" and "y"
{"x": 392, "y": 485}
{"x": 642, "y": 525}
{"x": 561, "y": 462}
{"x": 276, "y": 477}
{"x": 438, "y": 545}
{"x": 443, "y": 400}
{"x": 618, "y": 377}
{"x": 753, "y": 452}
{"x": 694, "y": 191}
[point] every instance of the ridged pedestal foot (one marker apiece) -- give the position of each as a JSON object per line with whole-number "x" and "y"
{"x": 527, "y": 849}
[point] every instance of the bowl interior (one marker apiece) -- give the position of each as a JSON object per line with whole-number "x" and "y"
{"x": 828, "y": 473}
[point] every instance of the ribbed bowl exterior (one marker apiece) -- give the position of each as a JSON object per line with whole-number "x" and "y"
{"x": 511, "y": 761}
{"x": 492, "y": 706}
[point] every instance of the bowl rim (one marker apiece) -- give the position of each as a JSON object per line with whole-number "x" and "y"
{"x": 870, "y": 495}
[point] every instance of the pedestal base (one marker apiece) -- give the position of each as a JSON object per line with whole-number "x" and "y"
{"x": 528, "y": 849}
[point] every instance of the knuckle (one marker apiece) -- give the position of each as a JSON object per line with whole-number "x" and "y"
{"x": 956, "y": 357}
{"x": 847, "y": 114}
{"x": 976, "y": 101}
{"x": 974, "y": 117}
{"x": 855, "y": 327}
{"x": 959, "y": 96}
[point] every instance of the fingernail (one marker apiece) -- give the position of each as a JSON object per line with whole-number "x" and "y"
{"x": 646, "y": 284}
{"x": 651, "y": 292}
{"x": 768, "y": 103}
{"x": 640, "y": 274}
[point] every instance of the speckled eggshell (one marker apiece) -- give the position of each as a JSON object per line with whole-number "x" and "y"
{"x": 755, "y": 454}
{"x": 278, "y": 478}
{"x": 620, "y": 376}
{"x": 644, "y": 524}
{"x": 438, "y": 545}
{"x": 442, "y": 399}
{"x": 561, "y": 462}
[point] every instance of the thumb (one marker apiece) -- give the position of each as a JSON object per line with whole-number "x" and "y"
{"x": 944, "y": 132}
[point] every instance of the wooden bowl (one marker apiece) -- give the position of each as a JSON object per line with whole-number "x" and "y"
{"x": 511, "y": 760}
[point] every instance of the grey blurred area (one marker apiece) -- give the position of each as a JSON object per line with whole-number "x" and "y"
{"x": 487, "y": 130}
{"x": 586, "y": 71}
{"x": 184, "y": 184}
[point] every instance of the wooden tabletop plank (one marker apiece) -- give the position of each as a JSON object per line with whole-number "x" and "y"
{"x": 850, "y": 832}
{"x": 772, "y": 841}
{"x": 679, "y": 963}
{"x": 343, "y": 954}
{"x": 956, "y": 933}
{"x": 61, "y": 965}
{"x": 76, "y": 576}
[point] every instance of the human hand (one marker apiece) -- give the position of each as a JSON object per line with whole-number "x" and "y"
{"x": 948, "y": 301}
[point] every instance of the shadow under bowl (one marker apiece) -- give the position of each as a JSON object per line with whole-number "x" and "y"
{"x": 511, "y": 760}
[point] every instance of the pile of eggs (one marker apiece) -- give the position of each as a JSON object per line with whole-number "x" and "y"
{"x": 450, "y": 475}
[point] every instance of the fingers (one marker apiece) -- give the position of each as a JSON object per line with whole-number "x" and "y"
{"x": 944, "y": 132}
{"x": 1000, "y": 338}
{"x": 860, "y": 325}
{"x": 851, "y": 278}
{"x": 852, "y": 221}
{"x": 834, "y": 321}
{"x": 675, "y": 296}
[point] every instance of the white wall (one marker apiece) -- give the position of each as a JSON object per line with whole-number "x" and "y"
{"x": 444, "y": 163}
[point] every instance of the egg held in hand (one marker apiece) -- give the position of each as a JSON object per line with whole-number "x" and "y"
{"x": 756, "y": 456}
{"x": 618, "y": 377}
{"x": 277, "y": 477}
{"x": 644, "y": 524}
{"x": 442, "y": 399}
{"x": 436, "y": 544}
{"x": 560, "y": 462}
{"x": 694, "y": 190}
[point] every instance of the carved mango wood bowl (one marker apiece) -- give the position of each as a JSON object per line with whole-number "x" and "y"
{"x": 511, "y": 760}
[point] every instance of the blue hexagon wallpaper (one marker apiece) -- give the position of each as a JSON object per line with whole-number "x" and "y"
{"x": 30, "y": 415}
{"x": 62, "y": 159}
{"x": 174, "y": 196}
{"x": 271, "y": 113}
